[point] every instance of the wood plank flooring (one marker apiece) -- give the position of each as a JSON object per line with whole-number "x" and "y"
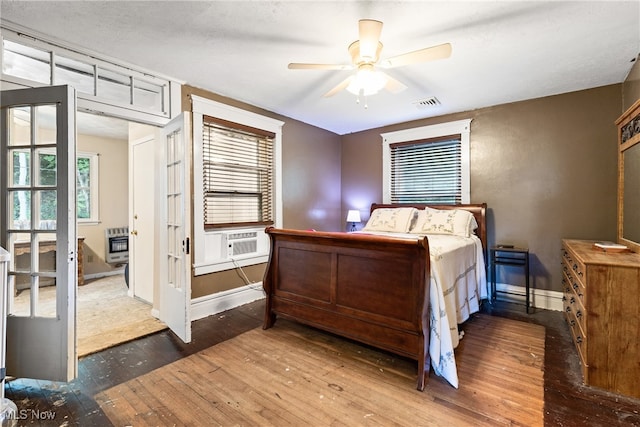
{"x": 566, "y": 401}
{"x": 295, "y": 375}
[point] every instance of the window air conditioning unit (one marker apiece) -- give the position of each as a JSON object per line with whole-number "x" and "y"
{"x": 240, "y": 243}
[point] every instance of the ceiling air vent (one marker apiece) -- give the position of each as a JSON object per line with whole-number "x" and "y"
{"x": 427, "y": 102}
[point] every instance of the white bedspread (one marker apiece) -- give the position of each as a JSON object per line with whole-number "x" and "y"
{"x": 458, "y": 283}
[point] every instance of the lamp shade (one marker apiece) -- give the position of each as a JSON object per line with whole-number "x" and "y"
{"x": 367, "y": 82}
{"x": 353, "y": 216}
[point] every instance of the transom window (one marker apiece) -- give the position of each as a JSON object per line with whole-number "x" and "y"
{"x": 28, "y": 61}
{"x": 429, "y": 164}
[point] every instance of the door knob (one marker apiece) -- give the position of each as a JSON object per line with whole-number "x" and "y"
{"x": 134, "y": 232}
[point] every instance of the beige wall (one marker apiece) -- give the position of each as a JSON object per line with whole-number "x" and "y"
{"x": 311, "y": 186}
{"x": 114, "y": 193}
{"x": 547, "y": 169}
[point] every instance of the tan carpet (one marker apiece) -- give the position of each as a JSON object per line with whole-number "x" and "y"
{"x": 106, "y": 314}
{"x": 294, "y": 375}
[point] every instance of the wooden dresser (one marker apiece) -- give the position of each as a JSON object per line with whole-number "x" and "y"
{"x": 602, "y": 307}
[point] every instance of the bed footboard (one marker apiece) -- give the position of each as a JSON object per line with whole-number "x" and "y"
{"x": 371, "y": 289}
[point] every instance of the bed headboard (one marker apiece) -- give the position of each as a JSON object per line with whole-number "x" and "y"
{"x": 479, "y": 211}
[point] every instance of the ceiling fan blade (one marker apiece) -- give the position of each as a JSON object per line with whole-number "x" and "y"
{"x": 393, "y": 85}
{"x": 299, "y": 66}
{"x": 342, "y": 85}
{"x": 369, "y": 31}
{"x": 427, "y": 54}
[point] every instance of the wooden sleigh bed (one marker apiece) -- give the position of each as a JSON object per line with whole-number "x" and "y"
{"x": 368, "y": 287}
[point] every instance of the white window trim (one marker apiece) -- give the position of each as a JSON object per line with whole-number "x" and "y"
{"x": 462, "y": 127}
{"x": 209, "y": 253}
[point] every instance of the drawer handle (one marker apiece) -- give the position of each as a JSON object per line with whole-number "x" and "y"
{"x": 579, "y": 313}
{"x": 579, "y": 339}
{"x": 575, "y": 286}
{"x": 568, "y": 309}
{"x": 572, "y": 300}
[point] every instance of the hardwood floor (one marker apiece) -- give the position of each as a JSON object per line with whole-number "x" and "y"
{"x": 567, "y": 401}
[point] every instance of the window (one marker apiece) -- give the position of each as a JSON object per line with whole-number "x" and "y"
{"x": 237, "y": 174}
{"x": 237, "y": 181}
{"x": 429, "y": 164}
{"x": 86, "y": 187}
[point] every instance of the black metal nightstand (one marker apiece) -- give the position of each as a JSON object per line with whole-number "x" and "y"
{"x": 509, "y": 255}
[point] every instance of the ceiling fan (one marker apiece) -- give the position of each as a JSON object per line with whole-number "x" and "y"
{"x": 365, "y": 58}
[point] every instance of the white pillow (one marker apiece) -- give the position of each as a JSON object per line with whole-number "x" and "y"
{"x": 395, "y": 220}
{"x": 457, "y": 222}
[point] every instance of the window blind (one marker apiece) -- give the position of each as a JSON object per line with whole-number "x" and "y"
{"x": 238, "y": 174}
{"x": 427, "y": 171}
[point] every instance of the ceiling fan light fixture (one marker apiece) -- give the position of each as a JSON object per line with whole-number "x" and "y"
{"x": 367, "y": 82}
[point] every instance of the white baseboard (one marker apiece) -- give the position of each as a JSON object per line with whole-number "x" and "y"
{"x": 103, "y": 274}
{"x": 216, "y": 303}
{"x": 539, "y": 298}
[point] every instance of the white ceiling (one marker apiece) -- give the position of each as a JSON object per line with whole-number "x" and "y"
{"x": 503, "y": 51}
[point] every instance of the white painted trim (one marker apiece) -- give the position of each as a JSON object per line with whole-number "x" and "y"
{"x": 206, "y": 243}
{"x": 221, "y": 301}
{"x": 539, "y": 298}
{"x": 103, "y": 274}
{"x": 462, "y": 127}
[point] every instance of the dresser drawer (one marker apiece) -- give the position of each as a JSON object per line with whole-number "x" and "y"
{"x": 574, "y": 280}
{"x": 580, "y": 341}
{"x": 574, "y": 300}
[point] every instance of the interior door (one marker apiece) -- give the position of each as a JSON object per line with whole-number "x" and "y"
{"x": 142, "y": 190}
{"x": 38, "y": 228}
{"x": 175, "y": 245}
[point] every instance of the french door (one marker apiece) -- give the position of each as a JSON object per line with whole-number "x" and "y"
{"x": 38, "y": 228}
{"x": 175, "y": 245}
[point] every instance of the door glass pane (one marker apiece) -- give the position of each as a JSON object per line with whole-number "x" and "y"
{"x": 47, "y": 202}
{"x": 47, "y": 166}
{"x": 20, "y": 209}
{"x": 26, "y": 62}
{"x": 174, "y": 197}
{"x": 19, "y": 168}
{"x": 46, "y": 124}
{"x": 32, "y": 209}
{"x": 34, "y": 283}
{"x": 20, "y": 126}
{"x": 75, "y": 73}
